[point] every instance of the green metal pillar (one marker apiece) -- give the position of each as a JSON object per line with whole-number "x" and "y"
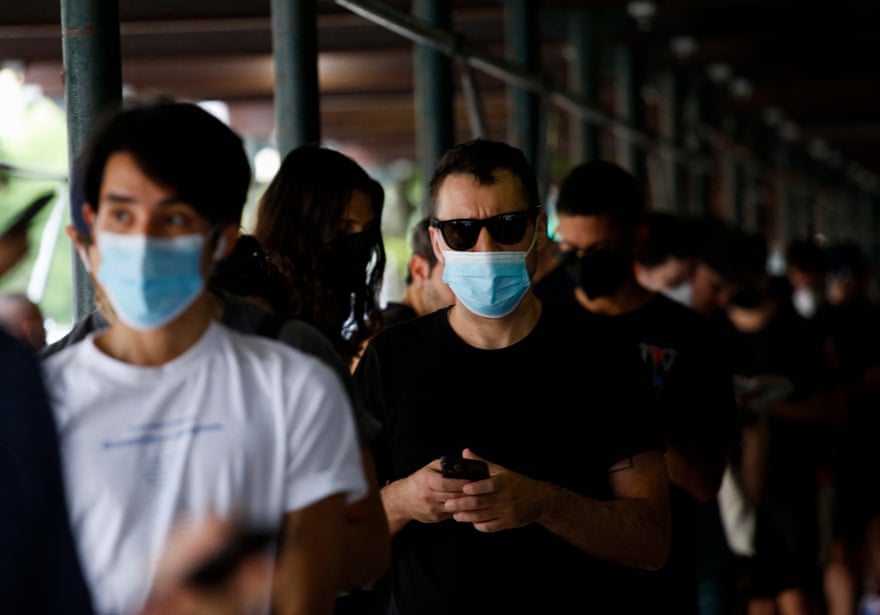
{"x": 297, "y": 95}
{"x": 432, "y": 81}
{"x": 583, "y": 33}
{"x": 523, "y": 49}
{"x": 92, "y": 88}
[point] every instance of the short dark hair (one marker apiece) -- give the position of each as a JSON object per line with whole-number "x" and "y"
{"x": 179, "y": 145}
{"x": 846, "y": 258}
{"x": 806, "y": 255}
{"x": 668, "y": 235}
{"x": 420, "y": 243}
{"x": 599, "y": 187}
{"x": 482, "y": 158}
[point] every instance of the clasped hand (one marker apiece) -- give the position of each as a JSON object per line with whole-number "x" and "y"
{"x": 503, "y": 501}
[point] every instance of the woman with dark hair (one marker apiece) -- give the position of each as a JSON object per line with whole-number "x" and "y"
{"x": 319, "y": 222}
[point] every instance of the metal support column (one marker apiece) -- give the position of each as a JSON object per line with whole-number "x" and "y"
{"x": 432, "y": 79}
{"x": 629, "y": 76}
{"x": 700, "y": 179}
{"x": 92, "y": 87}
{"x": 583, "y": 33}
{"x": 297, "y": 95}
{"x": 523, "y": 49}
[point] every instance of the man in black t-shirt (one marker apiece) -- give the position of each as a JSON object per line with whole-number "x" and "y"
{"x": 577, "y": 488}
{"x": 600, "y": 206}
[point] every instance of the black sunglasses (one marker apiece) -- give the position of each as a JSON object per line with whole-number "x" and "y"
{"x": 461, "y": 233}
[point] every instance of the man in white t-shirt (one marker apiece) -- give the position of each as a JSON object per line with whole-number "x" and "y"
{"x": 167, "y": 417}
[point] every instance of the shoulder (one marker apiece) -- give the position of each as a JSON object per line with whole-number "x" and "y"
{"x": 93, "y": 321}
{"x": 396, "y": 312}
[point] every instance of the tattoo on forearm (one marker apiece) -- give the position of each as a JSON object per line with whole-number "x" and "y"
{"x": 624, "y": 464}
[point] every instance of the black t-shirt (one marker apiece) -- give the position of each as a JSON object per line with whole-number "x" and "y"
{"x": 559, "y": 406}
{"x": 692, "y": 387}
{"x": 789, "y": 346}
{"x": 395, "y": 312}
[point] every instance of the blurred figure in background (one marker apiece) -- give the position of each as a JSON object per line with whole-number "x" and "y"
{"x": 425, "y": 291}
{"x": 805, "y": 270}
{"x": 22, "y": 318}
{"x": 666, "y": 256}
{"x": 850, "y": 324}
{"x": 721, "y": 267}
{"x": 319, "y": 222}
{"x": 786, "y": 402}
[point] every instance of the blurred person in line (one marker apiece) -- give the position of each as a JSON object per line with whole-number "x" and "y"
{"x": 849, "y": 322}
{"x": 787, "y": 402}
{"x": 425, "y": 290}
{"x": 167, "y": 416}
{"x": 23, "y": 319}
{"x": 40, "y": 570}
{"x": 576, "y": 486}
{"x": 319, "y": 221}
{"x": 805, "y": 271}
{"x": 666, "y": 255}
{"x": 720, "y": 270}
{"x": 248, "y": 295}
{"x": 600, "y": 211}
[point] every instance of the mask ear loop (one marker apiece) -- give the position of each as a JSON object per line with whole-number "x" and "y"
{"x": 216, "y": 233}
{"x": 220, "y": 249}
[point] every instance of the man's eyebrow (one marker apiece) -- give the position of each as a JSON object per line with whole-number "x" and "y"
{"x": 125, "y": 199}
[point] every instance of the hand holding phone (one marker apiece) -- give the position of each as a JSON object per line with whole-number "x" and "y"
{"x": 455, "y": 466}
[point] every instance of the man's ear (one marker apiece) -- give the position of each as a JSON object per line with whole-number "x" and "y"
{"x": 543, "y": 231}
{"x": 435, "y": 243}
{"x": 419, "y": 269}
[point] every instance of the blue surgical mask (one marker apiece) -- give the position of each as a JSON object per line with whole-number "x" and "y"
{"x": 489, "y": 284}
{"x": 150, "y": 281}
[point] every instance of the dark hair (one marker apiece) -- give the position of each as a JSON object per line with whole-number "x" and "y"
{"x": 298, "y": 220}
{"x": 668, "y": 235}
{"x": 735, "y": 255}
{"x": 420, "y": 243}
{"x": 247, "y": 272}
{"x": 179, "y": 145}
{"x": 846, "y": 258}
{"x": 806, "y": 255}
{"x": 599, "y": 187}
{"x": 483, "y": 158}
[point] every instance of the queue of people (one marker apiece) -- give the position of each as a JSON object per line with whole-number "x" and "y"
{"x": 240, "y": 427}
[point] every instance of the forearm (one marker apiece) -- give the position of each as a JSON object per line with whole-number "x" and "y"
{"x": 307, "y": 576}
{"x": 367, "y": 541}
{"x": 627, "y": 531}
{"x": 395, "y": 511}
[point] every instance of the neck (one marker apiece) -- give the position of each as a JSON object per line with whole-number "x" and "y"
{"x": 412, "y": 299}
{"x": 628, "y": 298}
{"x": 161, "y": 345}
{"x": 752, "y": 320}
{"x": 495, "y": 333}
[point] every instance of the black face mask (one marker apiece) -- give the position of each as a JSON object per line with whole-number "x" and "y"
{"x": 348, "y": 257}
{"x": 599, "y": 272}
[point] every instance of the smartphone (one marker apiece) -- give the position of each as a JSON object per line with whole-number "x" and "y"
{"x": 218, "y": 568}
{"x": 24, "y": 219}
{"x": 454, "y": 466}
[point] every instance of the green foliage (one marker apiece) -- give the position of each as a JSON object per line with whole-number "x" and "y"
{"x": 37, "y": 146}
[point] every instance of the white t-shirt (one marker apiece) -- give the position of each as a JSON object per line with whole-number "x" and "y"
{"x": 238, "y": 425}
